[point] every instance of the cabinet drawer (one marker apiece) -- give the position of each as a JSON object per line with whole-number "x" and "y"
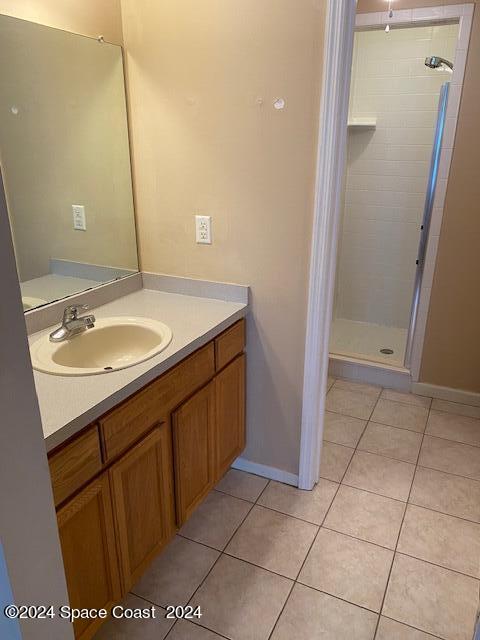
{"x": 75, "y": 464}
{"x": 229, "y": 344}
{"x": 126, "y": 424}
{"x": 181, "y": 382}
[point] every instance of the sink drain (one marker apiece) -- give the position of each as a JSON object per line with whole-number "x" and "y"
{"x": 387, "y": 352}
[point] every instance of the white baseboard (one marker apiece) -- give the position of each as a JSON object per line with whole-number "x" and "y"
{"x": 383, "y": 375}
{"x": 446, "y": 393}
{"x": 272, "y": 473}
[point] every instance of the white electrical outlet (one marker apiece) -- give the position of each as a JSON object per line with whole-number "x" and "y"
{"x": 203, "y": 229}
{"x": 79, "y": 218}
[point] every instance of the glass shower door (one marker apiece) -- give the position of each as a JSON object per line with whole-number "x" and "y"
{"x": 427, "y": 216}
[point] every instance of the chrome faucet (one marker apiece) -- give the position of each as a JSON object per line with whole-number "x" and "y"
{"x": 72, "y": 324}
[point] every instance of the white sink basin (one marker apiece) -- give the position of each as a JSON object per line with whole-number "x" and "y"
{"x": 113, "y": 344}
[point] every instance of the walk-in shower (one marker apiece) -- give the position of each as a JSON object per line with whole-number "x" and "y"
{"x": 398, "y": 99}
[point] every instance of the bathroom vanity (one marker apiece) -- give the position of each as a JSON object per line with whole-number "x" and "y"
{"x": 125, "y": 484}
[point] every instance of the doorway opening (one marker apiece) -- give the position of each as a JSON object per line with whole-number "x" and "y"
{"x": 397, "y": 113}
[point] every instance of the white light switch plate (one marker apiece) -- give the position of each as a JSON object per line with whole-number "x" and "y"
{"x": 79, "y": 218}
{"x": 203, "y": 229}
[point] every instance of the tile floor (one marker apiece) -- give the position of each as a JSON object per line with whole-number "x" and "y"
{"x": 387, "y": 545}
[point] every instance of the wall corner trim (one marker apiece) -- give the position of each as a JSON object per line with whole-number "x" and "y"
{"x": 331, "y": 153}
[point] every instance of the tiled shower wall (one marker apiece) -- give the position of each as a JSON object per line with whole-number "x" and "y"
{"x": 387, "y": 169}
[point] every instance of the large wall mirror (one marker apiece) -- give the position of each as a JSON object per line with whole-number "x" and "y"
{"x": 65, "y": 160}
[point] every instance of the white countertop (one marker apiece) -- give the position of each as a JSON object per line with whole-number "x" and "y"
{"x": 67, "y": 404}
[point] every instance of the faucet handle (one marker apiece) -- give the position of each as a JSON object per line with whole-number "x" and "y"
{"x": 71, "y": 312}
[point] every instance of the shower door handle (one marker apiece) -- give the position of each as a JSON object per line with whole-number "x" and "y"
{"x": 427, "y": 216}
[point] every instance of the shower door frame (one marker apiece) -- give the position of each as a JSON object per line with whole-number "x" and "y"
{"x": 340, "y": 26}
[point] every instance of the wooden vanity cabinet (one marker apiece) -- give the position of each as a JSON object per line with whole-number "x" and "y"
{"x": 229, "y": 414}
{"x": 193, "y": 427}
{"x": 142, "y": 494}
{"x": 124, "y": 485}
{"x": 87, "y": 539}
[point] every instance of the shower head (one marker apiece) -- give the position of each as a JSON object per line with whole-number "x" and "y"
{"x": 434, "y": 62}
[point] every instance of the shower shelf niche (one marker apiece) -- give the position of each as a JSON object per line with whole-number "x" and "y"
{"x": 362, "y": 124}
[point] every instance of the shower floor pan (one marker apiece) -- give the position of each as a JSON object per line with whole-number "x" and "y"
{"x": 366, "y": 341}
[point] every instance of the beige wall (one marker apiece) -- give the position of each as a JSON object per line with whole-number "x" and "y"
{"x": 88, "y": 17}
{"x": 206, "y": 139}
{"x": 451, "y": 355}
{"x": 66, "y": 144}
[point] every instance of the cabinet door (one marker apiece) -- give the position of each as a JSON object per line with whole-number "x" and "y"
{"x": 89, "y": 555}
{"x": 194, "y": 452}
{"x": 230, "y": 414}
{"x": 142, "y": 489}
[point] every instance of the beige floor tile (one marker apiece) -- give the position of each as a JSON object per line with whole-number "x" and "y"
{"x": 444, "y": 540}
{"x": 392, "y": 630}
{"x": 350, "y": 403}
{"x": 392, "y": 442}
{"x": 398, "y": 414}
{"x": 241, "y": 601}
{"x": 454, "y": 427}
{"x": 311, "y": 615}
{"x": 359, "y": 387}
{"x": 242, "y": 485}
{"x": 446, "y": 493}
{"x": 451, "y": 457}
{"x": 367, "y": 516}
{"x": 176, "y": 573}
{"x": 334, "y": 461}
{"x": 330, "y": 382}
{"x": 273, "y": 541}
{"x": 216, "y": 519}
{"x": 342, "y": 429}
{"x": 406, "y": 398}
{"x": 351, "y": 569}
{"x": 430, "y": 598}
{"x": 184, "y": 630}
{"x": 387, "y": 477}
{"x": 308, "y": 505}
{"x": 136, "y": 629}
{"x": 456, "y": 407}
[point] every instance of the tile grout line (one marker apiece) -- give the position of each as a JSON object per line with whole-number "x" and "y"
{"x": 295, "y": 581}
{"x": 323, "y": 526}
{"x": 313, "y": 542}
{"x": 221, "y": 553}
{"x": 401, "y": 527}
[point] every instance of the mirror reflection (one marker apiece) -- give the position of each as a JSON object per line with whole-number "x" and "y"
{"x": 65, "y": 161}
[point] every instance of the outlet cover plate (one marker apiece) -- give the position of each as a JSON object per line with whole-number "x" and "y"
{"x": 203, "y": 229}
{"x": 79, "y": 218}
